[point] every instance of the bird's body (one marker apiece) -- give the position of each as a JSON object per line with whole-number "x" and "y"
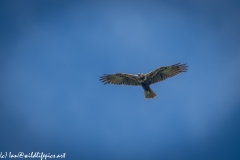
{"x": 145, "y": 80}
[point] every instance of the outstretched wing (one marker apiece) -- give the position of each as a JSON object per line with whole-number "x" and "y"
{"x": 163, "y": 73}
{"x": 120, "y": 79}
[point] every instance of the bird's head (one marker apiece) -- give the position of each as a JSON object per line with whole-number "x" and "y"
{"x": 141, "y": 76}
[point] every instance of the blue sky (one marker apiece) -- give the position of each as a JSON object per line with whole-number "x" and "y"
{"x": 53, "y": 53}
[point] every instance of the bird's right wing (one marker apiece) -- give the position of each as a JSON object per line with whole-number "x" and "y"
{"x": 120, "y": 79}
{"x": 163, "y": 73}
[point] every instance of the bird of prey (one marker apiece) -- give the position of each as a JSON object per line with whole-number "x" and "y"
{"x": 145, "y": 80}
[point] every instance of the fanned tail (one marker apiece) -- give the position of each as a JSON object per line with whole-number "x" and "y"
{"x": 149, "y": 94}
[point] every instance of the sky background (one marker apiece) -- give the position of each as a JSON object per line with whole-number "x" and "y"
{"x": 53, "y": 53}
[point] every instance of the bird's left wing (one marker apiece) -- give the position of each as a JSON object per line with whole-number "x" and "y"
{"x": 120, "y": 79}
{"x": 163, "y": 73}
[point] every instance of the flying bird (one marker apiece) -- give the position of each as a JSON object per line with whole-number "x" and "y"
{"x": 145, "y": 80}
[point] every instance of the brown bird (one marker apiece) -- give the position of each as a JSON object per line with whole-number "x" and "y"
{"x": 145, "y": 80}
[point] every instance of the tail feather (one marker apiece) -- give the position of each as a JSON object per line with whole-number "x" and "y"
{"x": 149, "y": 94}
